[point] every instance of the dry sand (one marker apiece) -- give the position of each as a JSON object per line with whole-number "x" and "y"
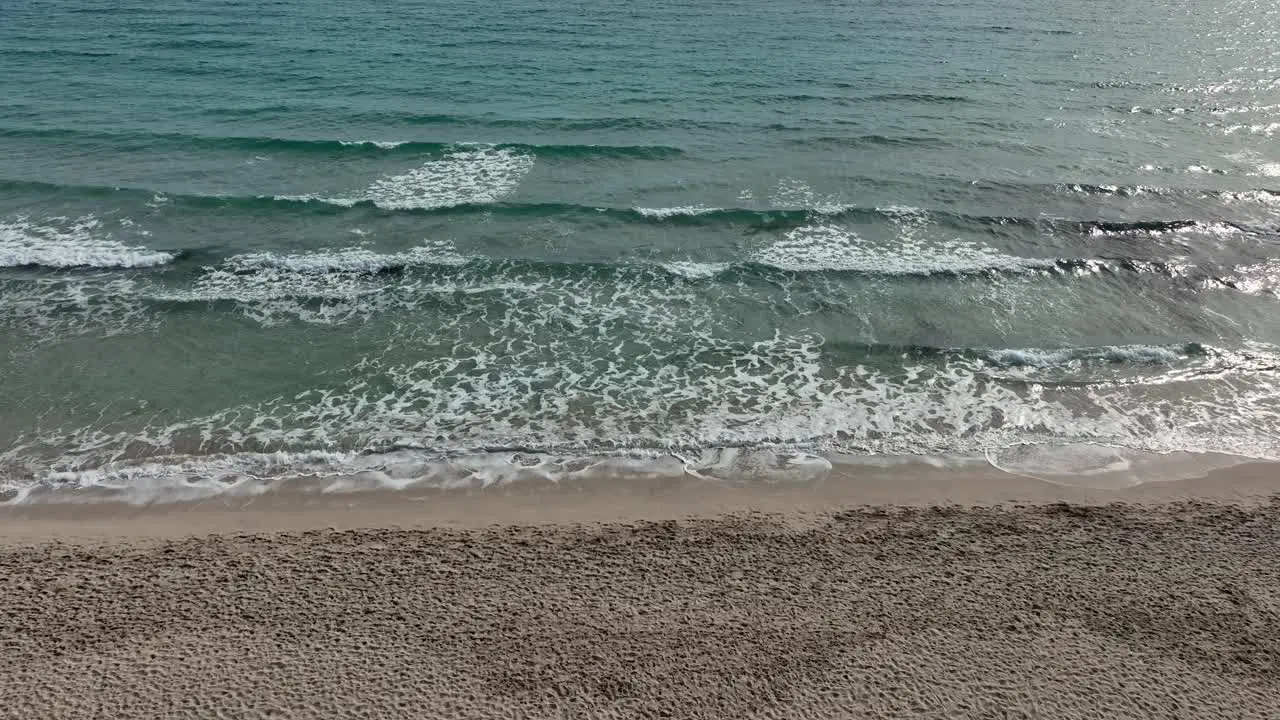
{"x": 796, "y": 603}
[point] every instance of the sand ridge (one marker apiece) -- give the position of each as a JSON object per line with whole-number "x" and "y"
{"x": 1056, "y": 610}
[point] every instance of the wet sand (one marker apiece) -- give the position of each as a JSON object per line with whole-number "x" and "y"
{"x": 663, "y": 600}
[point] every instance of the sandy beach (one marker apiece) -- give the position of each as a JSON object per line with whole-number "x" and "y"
{"x": 726, "y": 360}
{"x": 939, "y": 595}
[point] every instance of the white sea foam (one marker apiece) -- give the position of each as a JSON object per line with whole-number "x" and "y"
{"x": 775, "y": 396}
{"x": 1262, "y": 197}
{"x": 380, "y": 144}
{"x": 903, "y": 211}
{"x": 572, "y": 367}
{"x": 1117, "y": 190}
{"x": 1034, "y": 357}
{"x": 1140, "y": 354}
{"x": 341, "y": 202}
{"x": 753, "y": 465}
{"x": 68, "y": 243}
{"x": 792, "y": 193}
{"x": 469, "y": 176}
{"x": 662, "y": 213}
{"x": 195, "y": 478}
{"x": 325, "y": 287}
{"x": 1258, "y": 279}
{"x": 1239, "y": 109}
{"x": 1263, "y": 129}
{"x": 45, "y": 310}
{"x": 774, "y": 399}
{"x": 1220, "y": 229}
{"x": 1031, "y": 357}
{"x": 831, "y": 247}
{"x": 695, "y": 270}
{"x": 350, "y": 260}
{"x": 192, "y": 478}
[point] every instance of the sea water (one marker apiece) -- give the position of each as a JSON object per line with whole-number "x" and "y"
{"x": 467, "y": 240}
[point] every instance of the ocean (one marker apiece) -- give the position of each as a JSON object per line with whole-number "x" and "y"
{"x": 466, "y": 242}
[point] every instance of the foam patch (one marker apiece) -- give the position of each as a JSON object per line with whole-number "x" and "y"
{"x": 663, "y": 213}
{"x": 827, "y": 246}
{"x": 329, "y": 287}
{"x": 463, "y": 177}
{"x": 69, "y": 243}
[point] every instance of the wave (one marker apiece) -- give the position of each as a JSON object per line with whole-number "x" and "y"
{"x": 1257, "y": 279}
{"x": 829, "y": 247}
{"x": 197, "y": 44}
{"x": 561, "y": 123}
{"x": 1043, "y": 357}
{"x": 57, "y": 52}
{"x": 917, "y": 98}
{"x": 465, "y": 177}
{"x": 471, "y": 122}
{"x": 474, "y": 176}
{"x": 1156, "y": 228}
{"x": 341, "y": 275}
{"x": 191, "y": 478}
{"x": 364, "y": 262}
{"x": 354, "y": 272}
{"x": 1265, "y": 196}
{"x": 810, "y": 242}
{"x": 693, "y": 215}
{"x": 393, "y": 425}
{"x": 69, "y": 243}
{"x": 1134, "y": 354}
{"x": 664, "y": 213}
{"x": 692, "y": 270}
{"x": 178, "y": 478}
{"x": 858, "y": 141}
{"x": 151, "y": 141}
{"x": 1027, "y": 31}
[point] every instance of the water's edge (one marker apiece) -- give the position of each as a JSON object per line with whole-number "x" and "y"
{"x": 177, "y": 480}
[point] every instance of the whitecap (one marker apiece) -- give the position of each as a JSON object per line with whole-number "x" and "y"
{"x": 830, "y": 247}
{"x": 462, "y": 177}
{"x": 1220, "y": 229}
{"x": 380, "y": 144}
{"x": 663, "y": 213}
{"x": 1043, "y": 358}
{"x": 695, "y": 270}
{"x": 1030, "y": 357}
{"x": 1141, "y": 354}
{"x": 307, "y": 198}
{"x": 63, "y": 243}
{"x": 324, "y": 287}
{"x": 350, "y": 260}
{"x": 1257, "y": 279}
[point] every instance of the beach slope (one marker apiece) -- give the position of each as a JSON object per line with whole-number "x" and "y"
{"x": 1060, "y": 610}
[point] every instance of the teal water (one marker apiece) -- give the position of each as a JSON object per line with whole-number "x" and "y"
{"x": 241, "y": 241}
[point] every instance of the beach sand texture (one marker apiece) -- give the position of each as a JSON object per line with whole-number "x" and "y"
{"x": 1042, "y": 610}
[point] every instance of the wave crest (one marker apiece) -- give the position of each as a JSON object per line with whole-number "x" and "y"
{"x": 70, "y": 243}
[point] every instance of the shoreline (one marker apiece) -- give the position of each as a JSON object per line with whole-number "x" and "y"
{"x": 235, "y": 477}
{"x": 609, "y": 499}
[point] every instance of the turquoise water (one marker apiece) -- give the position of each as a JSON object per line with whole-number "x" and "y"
{"x": 241, "y": 241}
